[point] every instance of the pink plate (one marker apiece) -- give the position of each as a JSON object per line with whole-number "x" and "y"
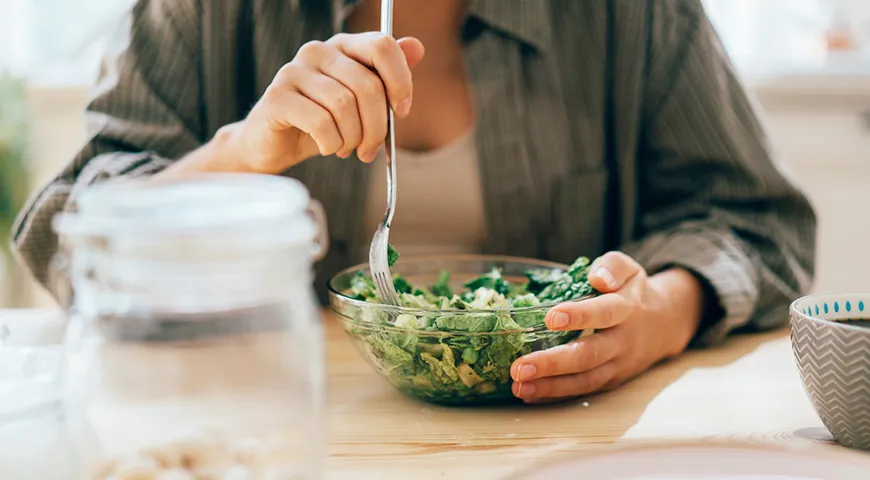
{"x": 709, "y": 462}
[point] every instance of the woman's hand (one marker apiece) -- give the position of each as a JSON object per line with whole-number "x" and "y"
{"x": 639, "y": 321}
{"x": 330, "y": 99}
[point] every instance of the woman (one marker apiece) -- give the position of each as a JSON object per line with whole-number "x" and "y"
{"x": 546, "y": 128}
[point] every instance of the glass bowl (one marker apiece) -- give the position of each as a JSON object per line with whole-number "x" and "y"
{"x": 447, "y": 367}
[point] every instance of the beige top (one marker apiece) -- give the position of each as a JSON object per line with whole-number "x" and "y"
{"x": 439, "y": 204}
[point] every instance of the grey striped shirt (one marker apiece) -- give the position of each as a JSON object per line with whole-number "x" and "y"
{"x": 600, "y": 125}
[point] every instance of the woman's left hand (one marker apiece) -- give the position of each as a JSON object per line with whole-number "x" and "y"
{"x": 639, "y": 321}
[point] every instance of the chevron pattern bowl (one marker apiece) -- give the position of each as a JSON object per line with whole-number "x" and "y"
{"x": 833, "y": 357}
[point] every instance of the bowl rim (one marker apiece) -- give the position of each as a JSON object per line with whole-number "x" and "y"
{"x": 835, "y": 323}
{"x": 400, "y": 310}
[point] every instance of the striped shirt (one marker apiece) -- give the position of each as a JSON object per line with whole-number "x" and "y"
{"x": 601, "y": 125}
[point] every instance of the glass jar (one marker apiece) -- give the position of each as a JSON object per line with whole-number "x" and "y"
{"x": 33, "y": 427}
{"x": 196, "y": 348}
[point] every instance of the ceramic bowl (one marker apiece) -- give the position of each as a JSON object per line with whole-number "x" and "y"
{"x": 833, "y": 356}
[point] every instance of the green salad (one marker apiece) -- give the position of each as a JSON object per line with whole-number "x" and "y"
{"x": 462, "y": 352}
{"x": 487, "y": 292}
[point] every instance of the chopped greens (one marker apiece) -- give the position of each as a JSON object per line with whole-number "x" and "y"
{"x": 392, "y": 255}
{"x": 486, "y": 292}
{"x": 462, "y": 352}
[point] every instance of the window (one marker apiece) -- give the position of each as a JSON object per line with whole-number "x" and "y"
{"x": 57, "y": 42}
{"x": 61, "y": 41}
{"x": 779, "y": 37}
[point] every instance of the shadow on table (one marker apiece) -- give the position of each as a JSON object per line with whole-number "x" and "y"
{"x": 606, "y": 417}
{"x": 399, "y": 425}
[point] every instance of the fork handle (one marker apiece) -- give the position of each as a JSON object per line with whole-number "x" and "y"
{"x": 390, "y": 144}
{"x": 387, "y": 17}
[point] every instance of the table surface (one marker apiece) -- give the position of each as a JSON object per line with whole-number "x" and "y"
{"x": 746, "y": 390}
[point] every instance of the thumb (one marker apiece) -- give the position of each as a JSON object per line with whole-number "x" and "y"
{"x": 413, "y": 50}
{"x": 612, "y": 270}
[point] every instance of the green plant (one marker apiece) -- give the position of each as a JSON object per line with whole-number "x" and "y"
{"x": 13, "y": 142}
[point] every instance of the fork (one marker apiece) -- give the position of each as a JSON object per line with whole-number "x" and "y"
{"x": 378, "y": 264}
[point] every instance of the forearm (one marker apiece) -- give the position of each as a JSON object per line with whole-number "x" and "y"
{"x": 717, "y": 258}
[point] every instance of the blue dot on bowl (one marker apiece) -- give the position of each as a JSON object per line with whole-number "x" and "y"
{"x": 861, "y": 305}
{"x": 817, "y": 309}
{"x": 826, "y": 307}
{"x": 836, "y": 306}
{"x": 848, "y": 306}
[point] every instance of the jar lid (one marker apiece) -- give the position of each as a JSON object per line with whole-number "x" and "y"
{"x": 191, "y": 205}
{"x": 198, "y": 243}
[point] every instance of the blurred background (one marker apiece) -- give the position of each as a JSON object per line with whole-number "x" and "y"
{"x": 807, "y": 62}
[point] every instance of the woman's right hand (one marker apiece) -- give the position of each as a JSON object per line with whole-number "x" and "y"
{"x": 330, "y": 99}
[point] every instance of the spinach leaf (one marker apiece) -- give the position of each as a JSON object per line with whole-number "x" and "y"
{"x": 442, "y": 285}
{"x": 491, "y": 281}
{"x": 540, "y": 278}
{"x": 392, "y": 255}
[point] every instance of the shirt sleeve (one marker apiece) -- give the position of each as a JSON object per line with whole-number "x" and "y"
{"x": 713, "y": 199}
{"x": 143, "y": 114}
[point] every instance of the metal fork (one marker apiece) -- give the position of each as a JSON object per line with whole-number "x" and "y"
{"x": 380, "y": 268}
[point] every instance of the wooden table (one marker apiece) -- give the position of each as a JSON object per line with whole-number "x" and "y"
{"x": 746, "y": 390}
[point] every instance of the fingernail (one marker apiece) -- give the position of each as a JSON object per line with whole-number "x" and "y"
{"x": 559, "y": 320}
{"x": 343, "y": 154}
{"x": 367, "y": 157}
{"x": 526, "y": 372}
{"x": 605, "y": 275}
{"x": 526, "y": 390}
{"x": 403, "y": 108}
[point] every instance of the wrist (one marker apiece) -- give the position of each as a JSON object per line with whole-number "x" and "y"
{"x": 682, "y": 296}
{"x": 221, "y": 154}
{"x": 228, "y": 152}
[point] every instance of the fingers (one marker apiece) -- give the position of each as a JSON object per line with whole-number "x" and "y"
{"x": 384, "y": 54}
{"x": 579, "y": 356}
{"x": 566, "y": 386}
{"x": 621, "y": 279}
{"x": 371, "y": 102}
{"x": 352, "y": 77}
{"x": 285, "y": 109}
{"x": 601, "y": 312}
{"x": 612, "y": 270}
{"x": 340, "y": 101}
{"x": 413, "y": 50}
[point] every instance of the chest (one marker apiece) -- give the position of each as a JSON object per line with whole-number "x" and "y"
{"x": 442, "y": 110}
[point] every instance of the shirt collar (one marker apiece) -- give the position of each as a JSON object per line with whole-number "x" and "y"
{"x": 525, "y": 20}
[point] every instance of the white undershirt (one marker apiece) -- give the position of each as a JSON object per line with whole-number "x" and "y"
{"x": 439, "y": 203}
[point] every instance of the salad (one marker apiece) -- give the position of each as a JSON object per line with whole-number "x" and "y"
{"x": 489, "y": 291}
{"x": 456, "y": 346}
